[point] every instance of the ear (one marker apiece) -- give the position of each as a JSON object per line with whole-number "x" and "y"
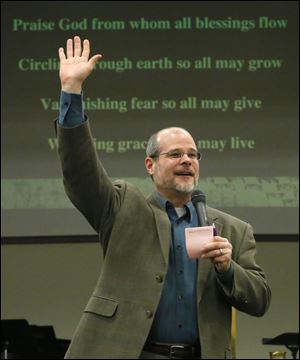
{"x": 149, "y": 163}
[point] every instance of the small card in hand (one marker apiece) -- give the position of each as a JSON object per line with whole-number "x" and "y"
{"x": 196, "y": 238}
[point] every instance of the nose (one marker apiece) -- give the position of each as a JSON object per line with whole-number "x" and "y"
{"x": 185, "y": 159}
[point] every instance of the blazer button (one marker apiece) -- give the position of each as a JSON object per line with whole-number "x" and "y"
{"x": 159, "y": 278}
{"x": 149, "y": 314}
{"x": 243, "y": 299}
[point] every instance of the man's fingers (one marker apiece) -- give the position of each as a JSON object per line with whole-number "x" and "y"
{"x": 217, "y": 253}
{"x": 61, "y": 54}
{"x": 78, "y": 51}
{"x": 77, "y": 46}
{"x": 86, "y": 53}
{"x": 86, "y": 49}
{"x": 93, "y": 60}
{"x": 69, "y": 48}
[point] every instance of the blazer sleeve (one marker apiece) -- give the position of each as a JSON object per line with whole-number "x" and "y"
{"x": 85, "y": 180}
{"x": 250, "y": 292}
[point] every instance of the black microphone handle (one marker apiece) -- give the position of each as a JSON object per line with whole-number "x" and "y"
{"x": 202, "y": 213}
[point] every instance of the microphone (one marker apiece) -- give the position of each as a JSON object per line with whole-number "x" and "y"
{"x": 198, "y": 199}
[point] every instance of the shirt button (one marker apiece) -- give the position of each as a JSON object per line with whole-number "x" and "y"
{"x": 159, "y": 278}
{"x": 149, "y": 314}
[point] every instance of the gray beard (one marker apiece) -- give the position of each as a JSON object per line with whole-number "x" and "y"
{"x": 180, "y": 188}
{"x": 185, "y": 188}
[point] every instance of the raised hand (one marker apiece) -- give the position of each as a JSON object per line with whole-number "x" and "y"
{"x": 75, "y": 65}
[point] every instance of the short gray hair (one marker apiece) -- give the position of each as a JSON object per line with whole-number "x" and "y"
{"x": 153, "y": 147}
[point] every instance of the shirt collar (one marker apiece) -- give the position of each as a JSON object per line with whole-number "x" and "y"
{"x": 166, "y": 205}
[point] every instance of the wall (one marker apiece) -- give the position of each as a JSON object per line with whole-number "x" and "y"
{"x": 49, "y": 284}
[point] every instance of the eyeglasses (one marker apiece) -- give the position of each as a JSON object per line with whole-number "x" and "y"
{"x": 175, "y": 154}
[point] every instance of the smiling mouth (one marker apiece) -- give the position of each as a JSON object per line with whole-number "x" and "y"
{"x": 185, "y": 173}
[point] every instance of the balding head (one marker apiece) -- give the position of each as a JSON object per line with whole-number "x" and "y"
{"x": 158, "y": 140}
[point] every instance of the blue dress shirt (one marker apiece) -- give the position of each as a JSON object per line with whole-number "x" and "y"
{"x": 176, "y": 316}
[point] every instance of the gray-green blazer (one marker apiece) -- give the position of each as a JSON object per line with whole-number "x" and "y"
{"x": 135, "y": 236}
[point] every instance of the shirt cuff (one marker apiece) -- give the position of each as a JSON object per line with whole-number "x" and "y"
{"x": 71, "y": 110}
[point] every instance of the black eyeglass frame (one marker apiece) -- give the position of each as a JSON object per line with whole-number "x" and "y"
{"x": 176, "y": 154}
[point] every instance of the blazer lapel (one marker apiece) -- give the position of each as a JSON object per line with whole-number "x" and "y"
{"x": 163, "y": 226}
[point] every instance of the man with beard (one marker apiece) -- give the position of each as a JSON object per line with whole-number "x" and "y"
{"x": 152, "y": 300}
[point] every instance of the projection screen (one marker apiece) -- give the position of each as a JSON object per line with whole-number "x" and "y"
{"x": 226, "y": 71}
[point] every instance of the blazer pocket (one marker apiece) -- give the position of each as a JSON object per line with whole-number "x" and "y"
{"x": 101, "y": 306}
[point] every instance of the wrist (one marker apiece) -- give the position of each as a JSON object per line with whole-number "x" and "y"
{"x": 72, "y": 88}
